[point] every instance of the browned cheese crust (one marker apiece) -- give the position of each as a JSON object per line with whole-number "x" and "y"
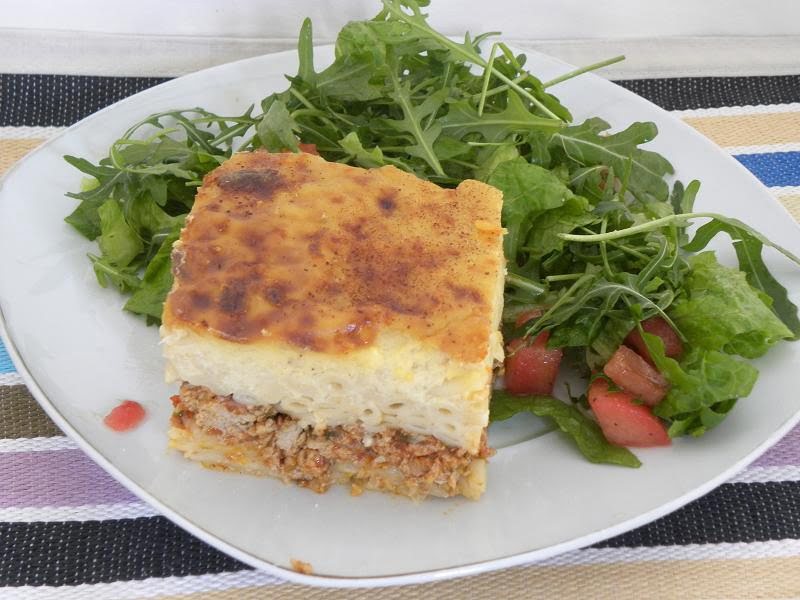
{"x": 290, "y": 248}
{"x": 224, "y": 434}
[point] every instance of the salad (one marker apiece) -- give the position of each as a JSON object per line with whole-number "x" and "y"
{"x": 602, "y": 271}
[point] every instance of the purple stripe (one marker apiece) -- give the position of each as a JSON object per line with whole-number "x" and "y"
{"x": 785, "y": 452}
{"x": 56, "y": 478}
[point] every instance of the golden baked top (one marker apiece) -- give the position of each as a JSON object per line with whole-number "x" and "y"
{"x": 293, "y": 249}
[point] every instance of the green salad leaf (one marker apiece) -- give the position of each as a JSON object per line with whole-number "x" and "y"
{"x": 118, "y": 240}
{"x": 749, "y": 245}
{"x": 581, "y": 429}
{"x": 148, "y": 299}
{"x": 719, "y": 310}
{"x": 589, "y": 144}
{"x": 528, "y": 191}
{"x": 705, "y": 385}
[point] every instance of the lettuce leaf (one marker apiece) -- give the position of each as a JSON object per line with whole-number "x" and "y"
{"x": 719, "y": 310}
{"x": 705, "y": 385}
{"x": 749, "y": 244}
{"x": 528, "y": 191}
{"x": 584, "y": 432}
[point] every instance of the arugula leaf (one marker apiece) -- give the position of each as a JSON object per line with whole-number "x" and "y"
{"x": 147, "y": 218}
{"x": 719, "y": 310}
{"x": 467, "y": 52}
{"x": 374, "y": 37}
{"x": 584, "y": 145}
{"x": 86, "y": 219}
{"x": 413, "y": 122}
{"x": 118, "y": 241}
{"x": 352, "y": 78}
{"x": 748, "y": 251}
{"x": 360, "y": 155}
{"x": 125, "y": 279}
{"x": 305, "y": 52}
{"x": 463, "y": 119}
{"x": 584, "y": 432}
{"x": 491, "y": 157}
{"x": 704, "y": 387}
{"x": 276, "y": 128}
{"x": 156, "y": 283}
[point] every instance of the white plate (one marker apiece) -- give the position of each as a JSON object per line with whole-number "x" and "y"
{"x": 80, "y": 354}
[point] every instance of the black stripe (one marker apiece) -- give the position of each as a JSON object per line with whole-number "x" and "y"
{"x": 60, "y": 100}
{"x": 72, "y": 553}
{"x": 681, "y": 93}
{"x": 734, "y": 512}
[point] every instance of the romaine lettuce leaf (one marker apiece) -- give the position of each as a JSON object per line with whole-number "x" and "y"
{"x": 719, "y": 310}
{"x": 705, "y": 385}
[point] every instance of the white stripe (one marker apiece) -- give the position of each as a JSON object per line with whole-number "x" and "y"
{"x": 24, "y": 133}
{"x": 764, "y": 474}
{"x": 89, "y": 512}
{"x": 37, "y": 444}
{"x": 738, "y": 551}
{"x": 146, "y": 588}
{"x": 786, "y": 190}
{"x": 10, "y": 379}
{"x": 765, "y": 149}
{"x": 735, "y": 111}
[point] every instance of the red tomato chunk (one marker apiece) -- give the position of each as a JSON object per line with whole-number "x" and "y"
{"x": 125, "y": 417}
{"x": 526, "y": 316}
{"x": 532, "y": 369}
{"x": 635, "y": 375}
{"x": 657, "y": 326}
{"x": 625, "y": 423}
{"x": 308, "y": 148}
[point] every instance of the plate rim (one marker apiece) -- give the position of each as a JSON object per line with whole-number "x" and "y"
{"x": 416, "y": 577}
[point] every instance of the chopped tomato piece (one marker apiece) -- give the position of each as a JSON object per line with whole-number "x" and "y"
{"x": 526, "y": 316}
{"x": 309, "y": 149}
{"x": 176, "y": 399}
{"x": 532, "y": 368}
{"x": 124, "y": 417}
{"x": 625, "y": 423}
{"x": 636, "y": 376}
{"x": 657, "y": 326}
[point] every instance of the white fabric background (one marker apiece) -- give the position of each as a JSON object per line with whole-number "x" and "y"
{"x": 170, "y": 37}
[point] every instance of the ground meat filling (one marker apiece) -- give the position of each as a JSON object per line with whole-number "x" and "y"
{"x": 261, "y": 441}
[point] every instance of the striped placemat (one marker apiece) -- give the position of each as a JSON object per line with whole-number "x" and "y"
{"x": 67, "y": 530}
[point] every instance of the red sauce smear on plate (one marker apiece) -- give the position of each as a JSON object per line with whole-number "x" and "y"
{"x": 125, "y": 417}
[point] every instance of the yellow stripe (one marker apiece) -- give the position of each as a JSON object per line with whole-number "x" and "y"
{"x": 792, "y": 204}
{"x": 12, "y": 150}
{"x": 684, "y": 579}
{"x": 749, "y": 130}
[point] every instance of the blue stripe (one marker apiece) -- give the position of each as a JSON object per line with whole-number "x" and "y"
{"x": 5, "y": 361}
{"x": 774, "y": 168}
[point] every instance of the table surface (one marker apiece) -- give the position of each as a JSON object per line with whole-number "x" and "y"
{"x": 67, "y": 530}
